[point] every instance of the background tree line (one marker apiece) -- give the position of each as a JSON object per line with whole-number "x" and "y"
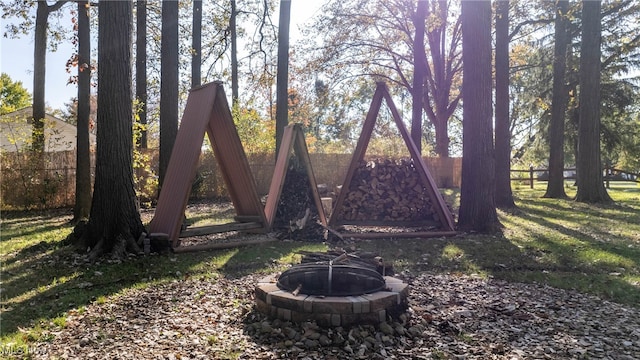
{"x": 565, "y": 60}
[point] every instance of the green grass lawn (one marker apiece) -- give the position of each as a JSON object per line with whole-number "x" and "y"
{"x": 591, "y": 248}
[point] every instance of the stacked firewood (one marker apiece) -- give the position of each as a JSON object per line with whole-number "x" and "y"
{"x": 388, "y": 191}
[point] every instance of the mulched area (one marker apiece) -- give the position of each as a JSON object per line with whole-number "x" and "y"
{"x": 450, "y": 317}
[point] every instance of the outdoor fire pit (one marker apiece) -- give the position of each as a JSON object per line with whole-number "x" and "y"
{"x": 333, "y": 293}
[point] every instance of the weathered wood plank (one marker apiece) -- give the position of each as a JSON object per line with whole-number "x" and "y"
{"x": 214, "y": 229}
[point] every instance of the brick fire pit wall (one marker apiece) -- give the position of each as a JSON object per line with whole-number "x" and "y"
{"x": 332, "y": 310}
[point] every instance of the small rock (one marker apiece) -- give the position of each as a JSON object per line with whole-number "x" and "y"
{"x": 387, "y": 340}
{"x": 415, "y": 331}
{"x": 386, "y": 328}
{"x": 400, "y": 329}
{"x": 311, "y": 344}
{"x": 464, "y": 313}
{"x": 324, "y": 340}
{"x": 338, "y": 339}
{"x": 266, "y": 327}
{"x": 290, "y": 333}
{"x": 84, "y": 341}
{"x": 288, "y": 343}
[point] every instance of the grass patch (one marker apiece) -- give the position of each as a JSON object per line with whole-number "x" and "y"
{"x": 43, "y": 279}
{"x": 594, "y": 249}
{"x": 590, "y": 248}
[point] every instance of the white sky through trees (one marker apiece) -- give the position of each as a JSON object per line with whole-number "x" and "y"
{"x": 16, "y": 55}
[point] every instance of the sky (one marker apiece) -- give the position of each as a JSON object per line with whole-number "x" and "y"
{"x": 16, "y": 57}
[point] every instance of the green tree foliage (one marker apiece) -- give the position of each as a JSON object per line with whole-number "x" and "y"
{"x": 13, "y": 95}
{"x": 256, "y": 133}
{"x": 532, "y": 77}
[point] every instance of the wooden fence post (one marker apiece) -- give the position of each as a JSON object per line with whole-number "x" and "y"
{"x": 531, "y": 175}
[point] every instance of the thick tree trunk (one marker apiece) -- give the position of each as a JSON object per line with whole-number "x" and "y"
{"x": 83, "y": 164}
{"x": 114, "y": 221}
{"x": 504, "y": 196}
{"x": 168, "y": 85}
{"x": 196, "y": 58}
{"x": 590, "y": 180}
{"x": 141, "y": 69}
{"x": 419, "y": 72}
{"x": 555, "y": 185}
{"x": 477, "y": 200}
{"x": 282, "y": 78}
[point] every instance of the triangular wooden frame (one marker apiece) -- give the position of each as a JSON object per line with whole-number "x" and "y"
{"x": 440, "y": 206}
{"x": 292, "y": 139}
{"x": 207, "y": 110}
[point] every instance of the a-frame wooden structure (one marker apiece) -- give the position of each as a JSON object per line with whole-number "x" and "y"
{"x": 337, "y": 219}
{"x": 207, "y": 111}
{"x": 292, "y": 142}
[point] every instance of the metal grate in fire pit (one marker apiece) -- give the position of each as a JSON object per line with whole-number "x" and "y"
{"x": 328, "y": 279}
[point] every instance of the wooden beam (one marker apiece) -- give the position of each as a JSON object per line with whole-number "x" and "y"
{"x": 214, "y": 229}
{"x": 417, "y": 234}
{"x": 219, "y": 246}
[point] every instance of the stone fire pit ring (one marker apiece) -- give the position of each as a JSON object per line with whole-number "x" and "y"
{"x": 329, "y": 311}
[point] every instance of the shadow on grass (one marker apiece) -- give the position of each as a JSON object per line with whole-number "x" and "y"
{"x": 546, "y": 242}
{"x": 217, "y": 217}
{"x": 45, "y": 280}
{"x": 47, "y": 283}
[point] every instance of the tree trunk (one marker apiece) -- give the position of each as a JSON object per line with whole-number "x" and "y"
{"x": 442, "y": 136}
{"x": 83, "y": 164}
{"x": 234, "y": 54}
{"x": 196, "y": 58}
{"x": 477, "y": 200}
{"x": 141, "y": 69}
{"x": 39, "y": 74}
{"x": 590, "y": 185}
{"x": 445, "y": 60}
{"x": 114, "y": 221}
{"x": 504, "y": 196}
{"x": 419, "y": 71}
{"x": 282, "y": 80}
{"x": 555, "y": 185}
{"x": 168, "y": 85}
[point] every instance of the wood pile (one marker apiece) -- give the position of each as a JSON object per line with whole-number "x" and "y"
{"x": 384, "y": 191}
